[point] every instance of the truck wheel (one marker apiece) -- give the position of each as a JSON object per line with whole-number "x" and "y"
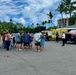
{"x": 75, "y": 41}
{"x": 50, "y": 38}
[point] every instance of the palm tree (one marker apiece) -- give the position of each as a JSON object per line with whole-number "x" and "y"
{"x": 69, "y": 6}
{"x": 10, "y": 20}
{"x": 50, "y": 15}
{"x": 61, "y": 9}
{"x": 49, "y": 22}
{"x": 73, "y": 19}
{"x": 50, "y": 18}
{"x": 32, "y": 25}
{"x": 37, "y": 24}
{"x": 43, "y": 23}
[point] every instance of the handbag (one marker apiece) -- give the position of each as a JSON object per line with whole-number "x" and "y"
{"x": 36, "y": 42}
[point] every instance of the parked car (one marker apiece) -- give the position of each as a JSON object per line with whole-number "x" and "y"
{"x": 71, "y": 36}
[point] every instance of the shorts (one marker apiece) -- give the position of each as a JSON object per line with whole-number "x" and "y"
{"x": 18, "y": 42}
{"x": 37, "y": 43}
{"x": 26, "y": 44}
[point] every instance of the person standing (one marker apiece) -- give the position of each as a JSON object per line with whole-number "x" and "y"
{"x": 57, "y": 37}
{"x": 3, "y": 39}
{"x": 18, "y": 41}
{"x": 47, "y": 36}
{"x": 37, "y": 40}
{"x": 26, "y": 41}
{"x": 31, "y": 40}
{"x": 14, "y": 41}
{"x": 7, "y": 39}
{"x": 42, "y": 42}
{"x": 63, "y": 38}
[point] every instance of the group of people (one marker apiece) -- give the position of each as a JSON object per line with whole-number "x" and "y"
{"x": 20, "y": 41}
{"x": 23, "y": 41}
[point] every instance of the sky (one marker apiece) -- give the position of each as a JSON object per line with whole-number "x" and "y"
{"x": 28, "y": 11}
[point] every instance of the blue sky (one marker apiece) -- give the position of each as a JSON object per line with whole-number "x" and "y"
{"x": 28, "y": 11}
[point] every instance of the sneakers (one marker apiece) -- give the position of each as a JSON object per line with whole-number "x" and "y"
{"x": 20, "y": 49}
{"x": 39, "y": 50}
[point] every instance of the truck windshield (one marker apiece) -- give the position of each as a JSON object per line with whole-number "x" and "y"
{"x": 50, "y": 32}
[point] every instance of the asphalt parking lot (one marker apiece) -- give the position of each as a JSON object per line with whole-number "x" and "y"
{"x": 53, "y": 60}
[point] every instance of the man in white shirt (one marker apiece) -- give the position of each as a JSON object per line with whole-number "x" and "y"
{"x": 37, "y": 41}
{"x": 63, "y": 39}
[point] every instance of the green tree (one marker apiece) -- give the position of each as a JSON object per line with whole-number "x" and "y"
{"x": 60, "y": 9}
{"x": 38, "y": 24}
{"x": 19, "y": 25}
{"x": 44, "y": 22}
{"x": 73, "y": 19}
{"x": 69, "y": 6}
{"x": 10, "y": 20}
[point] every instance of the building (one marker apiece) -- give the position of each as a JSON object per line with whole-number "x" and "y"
{"x": 63, "y": 22}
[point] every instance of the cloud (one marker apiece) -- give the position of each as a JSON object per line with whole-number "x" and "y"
{"x": 37, "y": 10}
{"x": 4, "y": 17}
{"x": 19, "y": 20}
{"x": 7, "y": 18}
{"x": 34, "y": 11}
{"x": 5, "y": 0}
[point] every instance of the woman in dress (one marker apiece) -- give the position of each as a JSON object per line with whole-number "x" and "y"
{"x": 42, "y": 43}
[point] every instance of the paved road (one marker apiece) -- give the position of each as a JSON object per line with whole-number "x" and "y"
{"x": 53, "y": 60}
